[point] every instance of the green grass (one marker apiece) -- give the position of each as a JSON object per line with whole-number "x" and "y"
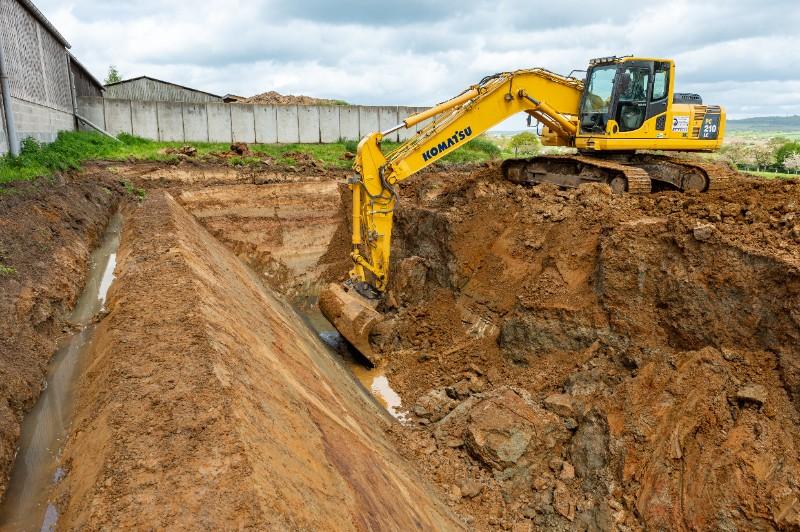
{"x": 72, "y": 149}
{"x": 772, "y": 175}
{"x": 7, "y": 271}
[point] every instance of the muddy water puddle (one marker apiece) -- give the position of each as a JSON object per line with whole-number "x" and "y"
{"x": 372, "y": 379}
{"x": 36, "y": 468}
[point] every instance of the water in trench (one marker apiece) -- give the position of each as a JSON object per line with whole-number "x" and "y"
{"x": 36, "y": 468}
{"x": 372, "y": 379}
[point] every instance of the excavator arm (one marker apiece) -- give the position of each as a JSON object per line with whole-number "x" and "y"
{"x": 552, "y": 99}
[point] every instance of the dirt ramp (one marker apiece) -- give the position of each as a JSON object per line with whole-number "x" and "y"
{"x": 210, "y": 405}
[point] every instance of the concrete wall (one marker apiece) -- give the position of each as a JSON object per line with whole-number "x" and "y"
{"x": 38, "y": 74}
{"x": 221, "y": 122}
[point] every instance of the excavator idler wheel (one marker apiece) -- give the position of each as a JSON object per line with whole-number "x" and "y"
{"x": 618, "y": 185}
{"x": 695, "y": 182}
{"x": 353, "y": 315}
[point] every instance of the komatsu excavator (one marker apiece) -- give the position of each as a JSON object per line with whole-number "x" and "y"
{"x": 624, "y": 105}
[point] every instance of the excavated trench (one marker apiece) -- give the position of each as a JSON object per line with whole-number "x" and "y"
{"x": 558, "y": 359}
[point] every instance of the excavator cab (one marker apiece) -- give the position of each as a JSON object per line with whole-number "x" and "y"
{"x": 620, "y": 95}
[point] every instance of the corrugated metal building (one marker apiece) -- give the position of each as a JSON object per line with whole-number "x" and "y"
{"x": 145, "y": 88}
{"x": 37, "y": 64}
{"x": 84, "y": 82}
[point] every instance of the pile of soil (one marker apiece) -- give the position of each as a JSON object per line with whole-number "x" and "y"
{"x": 275, "y": 98}
{"x": 47, "y": 230}
{"x": 578, "y": 360}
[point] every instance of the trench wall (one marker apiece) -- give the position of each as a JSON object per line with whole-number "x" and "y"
{"x": 224, "y": 122}
{"x": 234, "y": 416}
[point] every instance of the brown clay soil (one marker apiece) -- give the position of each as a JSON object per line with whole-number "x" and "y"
{"x": 47, "y": 229}
{"x": 209, "y": 405}
{"x": 569, "y": 360}
{"x": 577, "y": 360}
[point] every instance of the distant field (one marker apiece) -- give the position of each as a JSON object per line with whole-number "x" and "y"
{"x": 772, "y": 175}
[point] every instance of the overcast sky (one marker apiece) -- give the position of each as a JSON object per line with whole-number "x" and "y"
{"x": 743, "y": 54}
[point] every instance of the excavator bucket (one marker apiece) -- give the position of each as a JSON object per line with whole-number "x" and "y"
{"x": 352, "y": 314}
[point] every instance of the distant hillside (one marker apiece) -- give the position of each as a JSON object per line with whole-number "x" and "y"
{"x": 783, "y": 124}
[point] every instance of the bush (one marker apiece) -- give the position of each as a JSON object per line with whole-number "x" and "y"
{"x": 524, "y": 143}
{"x": 484, "y": 145}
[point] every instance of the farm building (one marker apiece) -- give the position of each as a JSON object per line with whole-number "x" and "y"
{"x": 84, "y": 82}
{"x": 145, "y": 88}
{"x": 36, "y": 64}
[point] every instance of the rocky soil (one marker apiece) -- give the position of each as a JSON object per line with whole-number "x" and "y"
{"x": 47, "y": 229}
{"x": 575, "y": 360}
{"x": 568, "y": 360}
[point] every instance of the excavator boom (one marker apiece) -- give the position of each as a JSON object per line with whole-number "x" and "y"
{"x": 624, "y": 105}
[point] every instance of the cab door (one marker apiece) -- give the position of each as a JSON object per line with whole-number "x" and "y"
{"x": 632, "y": 89}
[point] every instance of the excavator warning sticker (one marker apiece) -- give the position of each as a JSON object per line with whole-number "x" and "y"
{"x": 680, "y": 124}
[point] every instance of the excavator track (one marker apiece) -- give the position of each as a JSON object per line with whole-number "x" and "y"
{"x": 631, "y": 173}
{"x": 576, "y": 170}
{"x": 685, "y": 174}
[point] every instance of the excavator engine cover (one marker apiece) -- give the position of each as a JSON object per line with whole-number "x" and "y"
{"x": 353, "y": 315}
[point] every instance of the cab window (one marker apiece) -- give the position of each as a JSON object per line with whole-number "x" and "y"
{"x": 597, "y": 98}
{"x": 632, "y": 88}
{"x": 660, "y": 83}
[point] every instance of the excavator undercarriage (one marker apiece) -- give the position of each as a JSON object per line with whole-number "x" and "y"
{"x": 634, "y": 173}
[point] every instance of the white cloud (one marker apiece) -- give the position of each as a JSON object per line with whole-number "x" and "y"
{"x": 742, "y": 54}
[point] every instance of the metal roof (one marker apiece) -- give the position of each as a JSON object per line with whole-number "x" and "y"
{"x": 165, "y": 82}
{"x": 33, "y": 10}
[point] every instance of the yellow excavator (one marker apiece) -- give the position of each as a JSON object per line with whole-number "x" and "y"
{"x": 623, "y": 106}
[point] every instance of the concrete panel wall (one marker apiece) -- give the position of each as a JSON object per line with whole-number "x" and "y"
{"x": 348, "y": 123}
{"x": 224, "y": 123}
{"x": 367, "y": 121}
{"x": 243, "y": 127}
{"x": 387, "y": 118}
{"x": 144, "y": 119}
{"x": 195, "y": 122}
{"x": 329, "y": 124}
{"x": 40, "y": 122}
{"x": 92, "y": 109}
{"x": 118, "y": 116}
{"x": 308, "y": 123}
{"x": 219, "y": 122}
{"x": 288, "y": 129}
{"x": 266, "y": 123}
{"x": 170, "y": 121}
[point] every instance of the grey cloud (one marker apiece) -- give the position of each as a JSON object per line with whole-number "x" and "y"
{"x": 423, "y": 52}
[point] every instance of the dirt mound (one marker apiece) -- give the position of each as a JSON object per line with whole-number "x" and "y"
{"x": 47, "y": 229}
{"x": 209, "y": 405}
{"x": 275, "y": 98}
{"x": 650, "y": 343}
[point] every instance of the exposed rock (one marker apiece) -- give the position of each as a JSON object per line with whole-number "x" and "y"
{"x": 567, "y": 471}
{"x": 703, "y": 232}
{"x": 434, "y": 405}
{"x": 589, "y": 449}
{"x": 471, "y": 488}
{"x": 561, "y": 404}
{"x": 752, "y": 393}
{"x": 563, "y": 501}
